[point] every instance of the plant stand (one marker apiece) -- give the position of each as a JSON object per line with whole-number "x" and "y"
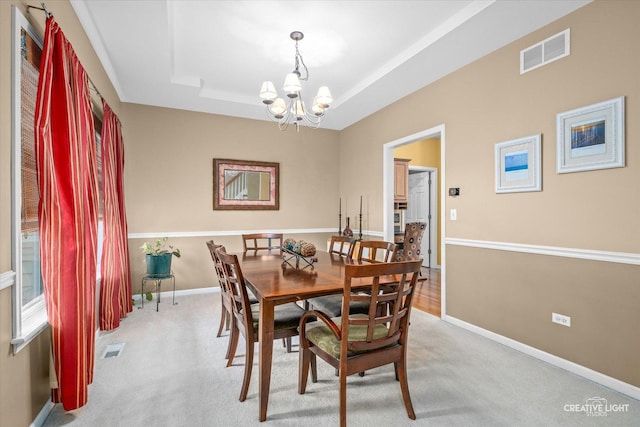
{"x": 158, "y": 281}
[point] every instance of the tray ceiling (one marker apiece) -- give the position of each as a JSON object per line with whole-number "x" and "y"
{"x": 212, "y": 56}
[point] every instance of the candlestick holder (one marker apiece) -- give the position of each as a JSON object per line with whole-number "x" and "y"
{"x": 340, "y": 217}
{"x": 360, "y": 232}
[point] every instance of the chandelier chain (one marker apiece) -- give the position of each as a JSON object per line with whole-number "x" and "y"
{"x": 299, "y": 61}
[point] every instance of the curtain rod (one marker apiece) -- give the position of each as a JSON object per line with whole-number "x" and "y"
{"x": 43, "y": 8}
{"x": 93, "y": 85}
{"x": 49, "y": 15}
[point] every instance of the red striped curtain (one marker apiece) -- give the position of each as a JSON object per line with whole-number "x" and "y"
{"x": 115, "y": 290}
{"x": 67, "y": 213}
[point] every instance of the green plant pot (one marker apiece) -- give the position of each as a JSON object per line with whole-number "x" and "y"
{"x": 159, "y": 265}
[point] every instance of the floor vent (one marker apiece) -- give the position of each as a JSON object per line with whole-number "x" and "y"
{"x": 113, "y": 350}
{"x": 549, "y": 50}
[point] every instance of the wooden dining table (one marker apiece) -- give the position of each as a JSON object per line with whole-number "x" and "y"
{"x": 275, "y": 282}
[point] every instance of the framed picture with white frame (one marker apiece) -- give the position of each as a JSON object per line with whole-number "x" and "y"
{"x": 518, "y": 165}
{"x": 591, "y": 137}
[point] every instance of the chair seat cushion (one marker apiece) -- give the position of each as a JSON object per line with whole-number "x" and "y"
{"x": 320, "y": 335}
{"x": 331, "y": 305}
{"x": 287, "y": 316}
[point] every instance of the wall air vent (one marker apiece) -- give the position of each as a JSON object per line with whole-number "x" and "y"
{"x": 549, "y": 50}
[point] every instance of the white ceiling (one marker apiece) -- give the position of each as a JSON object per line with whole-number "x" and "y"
{"x": 212, "y": 56}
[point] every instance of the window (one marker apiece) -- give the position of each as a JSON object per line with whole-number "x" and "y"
{"x": 28, "y": 299}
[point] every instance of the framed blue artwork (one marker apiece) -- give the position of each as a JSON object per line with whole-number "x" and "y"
{"x": 518, "y": 165}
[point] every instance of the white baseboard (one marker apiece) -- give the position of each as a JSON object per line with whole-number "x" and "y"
{"x": 567, "y": 365}
{"x": 165, "y": 294}
{"x": 43, "y": 414}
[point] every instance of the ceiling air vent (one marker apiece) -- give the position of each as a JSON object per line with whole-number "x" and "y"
{"x": 555, "y": 47}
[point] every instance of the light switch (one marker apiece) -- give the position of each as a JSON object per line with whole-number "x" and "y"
{"x": 454, "y": 214}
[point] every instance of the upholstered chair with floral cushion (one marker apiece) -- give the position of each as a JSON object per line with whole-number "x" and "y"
{"x": 413, "y": 232}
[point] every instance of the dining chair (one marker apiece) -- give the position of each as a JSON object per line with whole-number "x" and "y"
{"x": 413, "y": 233}
{"x": 255, "y": 242}
{"x": 246, "y": 316}
{"x": 262, "y": 241}
{"x": 375, "y": 251}
{"x": 341, "y": 245}
{"x": 367, "y": 251}
{"x": 226, "y": 307}
{"x": 375, "y": 339}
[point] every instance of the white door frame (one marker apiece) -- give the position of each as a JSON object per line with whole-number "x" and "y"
{"x": 433, "y": 222}
{"x": 387, "y": 196}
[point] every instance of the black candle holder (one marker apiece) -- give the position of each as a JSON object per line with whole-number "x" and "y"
{"x": 360, "y": 232}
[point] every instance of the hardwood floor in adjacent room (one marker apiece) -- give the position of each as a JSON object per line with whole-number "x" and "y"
{"x": 427, "y": 295}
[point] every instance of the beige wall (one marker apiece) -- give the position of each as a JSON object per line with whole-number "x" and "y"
{"x": 24, "y": 381}
{"x": 513, "y": 294}
{"x": 169, "y": 183}
{"x": 489, "y": 102}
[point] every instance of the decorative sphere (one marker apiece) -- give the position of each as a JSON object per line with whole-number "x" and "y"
{"x": 307, "y": 249}
{"x": 288, "y": 244}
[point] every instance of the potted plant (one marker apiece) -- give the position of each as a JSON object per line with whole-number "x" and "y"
{"x": 159, "y": 257}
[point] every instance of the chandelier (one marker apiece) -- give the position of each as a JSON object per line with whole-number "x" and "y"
{"x": 293, "y": 110}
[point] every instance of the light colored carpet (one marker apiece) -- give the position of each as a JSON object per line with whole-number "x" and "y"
{"x": 172, "y": 372}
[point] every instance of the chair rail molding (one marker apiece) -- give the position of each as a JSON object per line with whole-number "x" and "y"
{"x": 587, "y": 254}
{"x": 7, "y": 279}
{"x": 153, "y": 235}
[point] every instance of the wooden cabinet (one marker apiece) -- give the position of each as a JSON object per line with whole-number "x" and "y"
{"x": 401, "y": 182}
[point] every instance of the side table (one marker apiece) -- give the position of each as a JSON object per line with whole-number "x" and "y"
{"x": 158, "y": 281}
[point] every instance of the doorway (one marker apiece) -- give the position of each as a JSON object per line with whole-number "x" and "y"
{"x": 422, "y": 207}
{"x": 388, "y": 191}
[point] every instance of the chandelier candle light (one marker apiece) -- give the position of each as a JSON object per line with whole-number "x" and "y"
{"x": 294, "y": 110}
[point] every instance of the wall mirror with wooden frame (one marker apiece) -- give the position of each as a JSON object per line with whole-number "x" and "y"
{"x": 245, "y": 184}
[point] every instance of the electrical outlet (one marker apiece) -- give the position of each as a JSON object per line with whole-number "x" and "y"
{"x": 561, "y": 319}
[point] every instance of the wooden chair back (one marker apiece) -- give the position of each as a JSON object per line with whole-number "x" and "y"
{"x": 236, "y": 287}
{"x": 390, "y": 305}
{"x": 225, "y": 296}
{"x": 341, "y": 245}
{"x": 376, "y": 251}
{"x": 216, "y": 261}
{"x": 262, "y": 241}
